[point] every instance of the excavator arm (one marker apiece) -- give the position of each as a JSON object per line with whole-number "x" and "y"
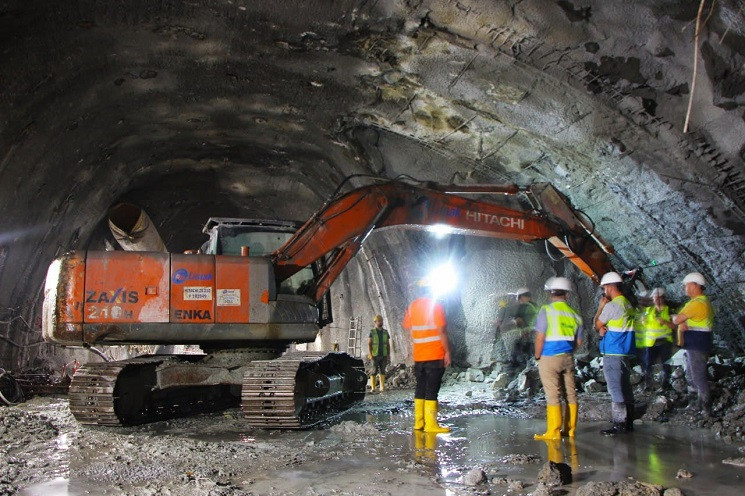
{"x": 340, "y": 227}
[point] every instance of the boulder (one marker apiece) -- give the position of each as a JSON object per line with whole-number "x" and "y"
{"x": 593, "y": 386}
{"x": 474, "y": 477}
{"x": 474, "y": 375}
{"x": 501, "y": 381}
{"x": 555, "y": 474}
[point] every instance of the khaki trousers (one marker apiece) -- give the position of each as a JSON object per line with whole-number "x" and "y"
{"x": 557, "y": 377}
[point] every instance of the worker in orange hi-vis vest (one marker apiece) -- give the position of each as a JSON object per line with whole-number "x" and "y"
{"x": 425, "y": 320}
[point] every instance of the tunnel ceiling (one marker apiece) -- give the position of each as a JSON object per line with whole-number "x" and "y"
{"x": 259, "y": 109}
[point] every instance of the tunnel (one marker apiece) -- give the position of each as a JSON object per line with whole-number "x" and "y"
{"x": 271, "y": 111}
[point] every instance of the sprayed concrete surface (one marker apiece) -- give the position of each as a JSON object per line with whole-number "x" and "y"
{"x": 370, "y": 450}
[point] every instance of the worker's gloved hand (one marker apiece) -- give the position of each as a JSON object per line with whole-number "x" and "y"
{"x": 369, "y": 356}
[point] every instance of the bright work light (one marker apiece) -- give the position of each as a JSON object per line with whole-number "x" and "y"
{"x": 442, "y": 279}
{"x": 440, "y": 230}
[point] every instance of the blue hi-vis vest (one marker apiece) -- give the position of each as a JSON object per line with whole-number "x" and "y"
{"x": 619, "y": 340}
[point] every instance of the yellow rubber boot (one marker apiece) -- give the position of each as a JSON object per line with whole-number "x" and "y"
{"x": 418, "y": 414}
{"x": 430, "y": 418}
{"x": 381, "y": 380}
{"x": 553, "y": 423}
{"x": 372, "y": 383}
{"x": 570, "y": 420}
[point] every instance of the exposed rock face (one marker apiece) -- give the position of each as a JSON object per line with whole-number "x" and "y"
{"x": 260, "y": 110}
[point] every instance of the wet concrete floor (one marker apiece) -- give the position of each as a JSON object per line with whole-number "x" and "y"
{"x": 398, "y": 461}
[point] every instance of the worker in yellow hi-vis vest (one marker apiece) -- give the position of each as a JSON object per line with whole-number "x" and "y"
{"x": 654, "y": 338}
{"x": 379, "y": 352}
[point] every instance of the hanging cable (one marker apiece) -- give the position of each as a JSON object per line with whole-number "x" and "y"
{"x": 548, "y": 252}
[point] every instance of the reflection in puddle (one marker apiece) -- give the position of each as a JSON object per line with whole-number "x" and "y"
{"x": 504, "y": 448}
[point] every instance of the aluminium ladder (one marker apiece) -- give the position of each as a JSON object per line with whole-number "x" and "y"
{"x": 354, "y": 346}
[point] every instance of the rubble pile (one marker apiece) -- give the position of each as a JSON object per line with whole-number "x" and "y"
{"x": 631, "y": 486}
{"x": 353, "y": 430}
{"x": 400, "y": 376}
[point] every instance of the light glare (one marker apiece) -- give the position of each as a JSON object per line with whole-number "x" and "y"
{"x": 440, "y": 230}
{"x": 442, "y": 279}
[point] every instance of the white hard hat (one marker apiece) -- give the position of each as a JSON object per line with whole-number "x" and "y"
{"x": 644, "y": 294}
{"x": 695, "y": 277}
{"x": 558, "y": 284}
{"x": 658, "y": 292}
{"x": 521, "y": 291}
{"x": 611, "y": 278}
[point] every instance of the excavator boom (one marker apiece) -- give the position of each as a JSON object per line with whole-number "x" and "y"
{"x": 341, "y": 225}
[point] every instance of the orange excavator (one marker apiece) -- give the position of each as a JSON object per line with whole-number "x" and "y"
{"x": 256, "y": 287}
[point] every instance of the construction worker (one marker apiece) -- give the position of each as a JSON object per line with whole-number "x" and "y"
{"x": 379, "y": 352}
{"x": 695, "y": 323}
{"x": 654, "y": 338}
{"x": 614, "y": 321}
{"x": 425, "y": 320}
{"x": 558, "y": 331}
{"x": 521, "y": 312}
{"x": 515, "y": 321}
{"x": 527, "y": 311}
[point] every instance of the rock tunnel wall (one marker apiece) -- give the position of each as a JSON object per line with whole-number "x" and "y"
{"x": 225, "y": 108}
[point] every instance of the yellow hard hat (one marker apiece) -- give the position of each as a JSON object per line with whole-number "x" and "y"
{"x": 378, "y": 318}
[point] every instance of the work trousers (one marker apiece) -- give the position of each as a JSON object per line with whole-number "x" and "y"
{"x": 428, "y": 379}
{"x": 696, "y": 374}
{"x": 379, "y": 364}
{"x": 557, "y": 377}
{"x": 617, "y": 372}
{"x": 659, "y": 353}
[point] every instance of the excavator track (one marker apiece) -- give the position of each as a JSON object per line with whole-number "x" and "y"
{"x": 125, "y": 393}
{"x": 300, "y": 389}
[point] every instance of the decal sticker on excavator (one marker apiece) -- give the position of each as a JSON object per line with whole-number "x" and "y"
{"x": 197, "y": 293}
{"x": 228, "y": 297}
{"x": 192, "y": 314}
{"x": 105, "y": 312}
{"x": 450, "y": 211}
{"x": 495, "y": 219}
{"x": 120, "y": 295}
{"x": 180, "y": 276}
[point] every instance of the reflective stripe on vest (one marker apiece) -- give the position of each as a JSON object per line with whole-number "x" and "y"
{"x": 707, "y": 323}
{"x": 424, "y": 333}
{"x": 376, "y": 343}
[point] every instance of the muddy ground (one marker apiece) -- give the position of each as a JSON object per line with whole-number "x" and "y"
{"x": 369, "y": 450}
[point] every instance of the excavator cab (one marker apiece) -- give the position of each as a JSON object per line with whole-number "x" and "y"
{"x": 262, "y": 237}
